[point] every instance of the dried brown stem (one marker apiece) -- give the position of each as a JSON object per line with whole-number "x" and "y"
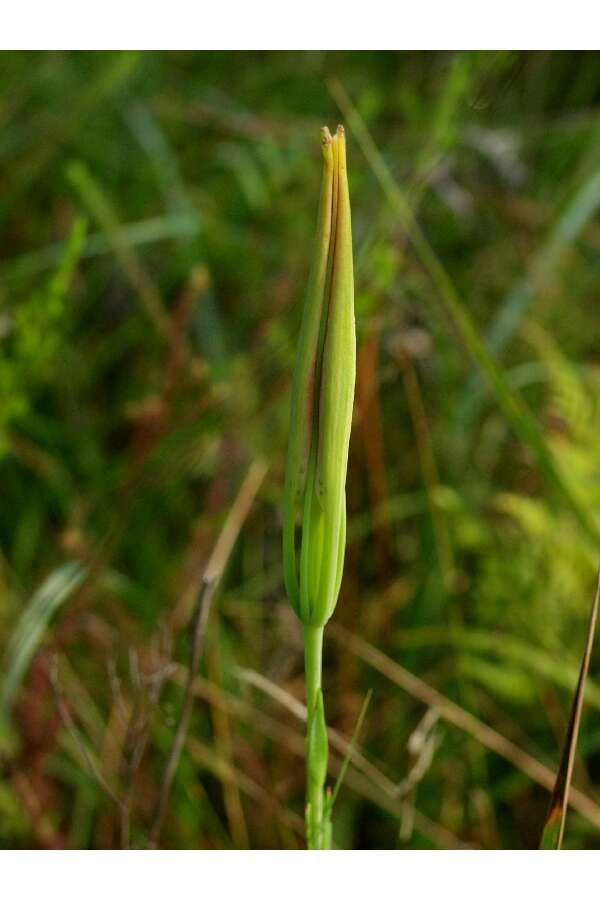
{"x": 214, "y": 569}
{"x": 562, "y": 787}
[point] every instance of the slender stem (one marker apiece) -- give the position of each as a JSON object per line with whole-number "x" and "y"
{"x": 313, "y": 657}
{"x": 197, "y": 631}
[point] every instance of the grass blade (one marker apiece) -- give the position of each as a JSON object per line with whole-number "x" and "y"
{"x": 554, "y": 828}
{"x": 30, "y": 628}
{"x": 351, "y": 747}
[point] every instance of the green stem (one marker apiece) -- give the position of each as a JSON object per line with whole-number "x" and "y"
{"x": 313, "y": 656}
{"x": 316, "y": 753}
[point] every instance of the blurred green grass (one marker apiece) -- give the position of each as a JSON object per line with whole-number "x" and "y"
{"x": 156, "y": 212}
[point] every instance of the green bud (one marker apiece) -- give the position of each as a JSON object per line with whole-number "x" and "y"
{"x": 321, "y": 410}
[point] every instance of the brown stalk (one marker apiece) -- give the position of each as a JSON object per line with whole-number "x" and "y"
{"x": 214, "y": 569}
{"x": 552, "y": 836}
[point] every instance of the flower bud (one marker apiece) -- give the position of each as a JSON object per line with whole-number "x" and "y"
{"x": 321, "y": 409}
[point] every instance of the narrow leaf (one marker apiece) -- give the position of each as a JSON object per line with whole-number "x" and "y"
{"x": 350, "y": 750}
{"x": 30, "y": 628}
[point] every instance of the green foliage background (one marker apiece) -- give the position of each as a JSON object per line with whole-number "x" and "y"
{"x": 157, "y": 213}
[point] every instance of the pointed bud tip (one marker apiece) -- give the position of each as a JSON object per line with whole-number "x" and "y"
{"x": 326, "y": 137}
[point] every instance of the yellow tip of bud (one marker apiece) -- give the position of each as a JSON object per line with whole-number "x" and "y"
{"x": 326, "y": 135}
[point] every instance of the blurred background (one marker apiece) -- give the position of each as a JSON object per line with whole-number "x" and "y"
{"x": 157, "y": 212}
